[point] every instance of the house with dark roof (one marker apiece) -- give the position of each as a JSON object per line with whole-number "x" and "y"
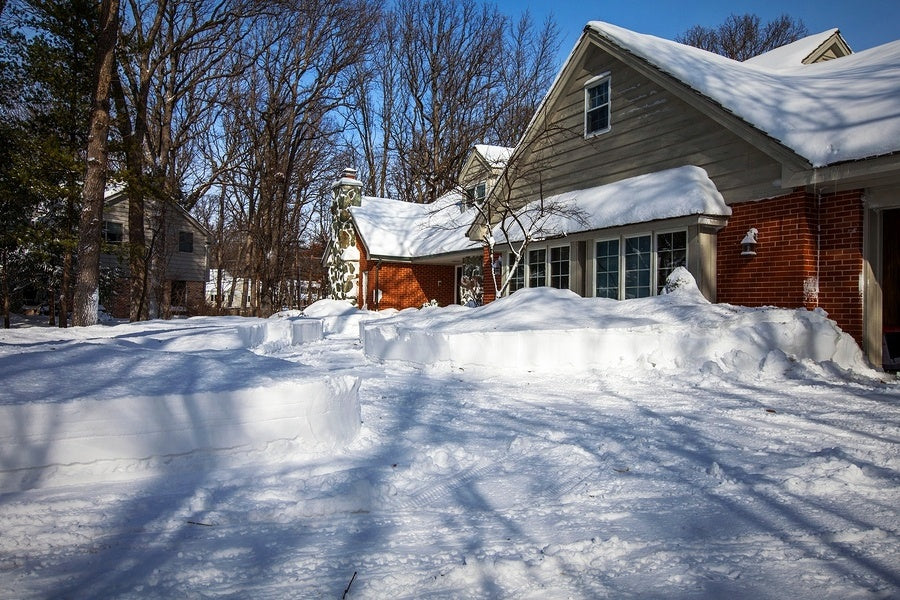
{"x": 775, "y": 181}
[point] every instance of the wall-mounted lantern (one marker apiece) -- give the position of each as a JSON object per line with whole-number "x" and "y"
{"x": 748, "y": 244}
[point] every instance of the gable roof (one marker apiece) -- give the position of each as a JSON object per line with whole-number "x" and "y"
{"x": 821, "y": 46}
{"x": 491, "y": 157}
{"x": 679, "y": 192}
{"x": 115, "y": 193}
{"x": 830, "y": 112}
{"x": 406, "y": 230}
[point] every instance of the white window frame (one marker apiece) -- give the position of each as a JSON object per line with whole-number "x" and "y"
{"x": 651, "y": 267}
{"x": 525, "y": 265}
{"x": 656, "y": 234}
{"x": 528, "y": 266}
{"x": 595, "y": 242}
{"x": 654, "y": 256}
{"x": 476, "y": 193}
{"x": 549, "y": 267}
{"x": 590, "y": 84}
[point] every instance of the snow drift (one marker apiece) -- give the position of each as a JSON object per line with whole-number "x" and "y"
{"x": 90, "y": 402}
{"x": 543, "y": 329}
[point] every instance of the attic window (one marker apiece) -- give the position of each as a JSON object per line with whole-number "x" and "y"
{"x": 596, "y": 105}
{"x": 476, "y": 193}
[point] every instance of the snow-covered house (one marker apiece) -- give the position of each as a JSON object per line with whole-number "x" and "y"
{"x": 775, "y": 181}
{"x": 184, "y": 255}
{"x": 387, "y": 253}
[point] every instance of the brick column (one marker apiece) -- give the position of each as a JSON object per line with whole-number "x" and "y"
{"x": 490, "y": 292}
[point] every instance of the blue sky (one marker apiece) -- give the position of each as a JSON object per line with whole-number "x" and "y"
{"x": 863, "y": 23}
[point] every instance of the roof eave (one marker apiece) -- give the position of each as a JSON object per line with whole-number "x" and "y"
{"x": 859, "y": 172}
{"x": 710, "y": 107}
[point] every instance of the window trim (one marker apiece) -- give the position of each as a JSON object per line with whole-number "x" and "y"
{"x": 532, "y": 249}
{"x": 596, "y": 241}
{"x": 656, "y": 235}
{"x": 590, "y": 84}
{"x": 654, "y": 256}
{"x": 472, "y": 193}
{"x": 526, "y": 265}
{"x": 521, "y": 269}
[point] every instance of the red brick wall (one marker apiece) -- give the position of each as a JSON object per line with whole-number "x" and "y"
{"x": 119, "y": 304}
{"x": 405, "y": 285}
{"x": 790, "y": 254}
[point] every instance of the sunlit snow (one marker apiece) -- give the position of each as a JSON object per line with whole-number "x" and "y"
{"x": 542, "y": 446}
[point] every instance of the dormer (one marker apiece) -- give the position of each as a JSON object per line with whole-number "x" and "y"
{"x": 481, "y": 170}
{"x": 834, "y": 47}
{"x": 816, "y": 48}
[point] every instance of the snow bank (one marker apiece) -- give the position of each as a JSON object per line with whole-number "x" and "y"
{"x": 50, "y": 441}
{"x": 89, "y": 402}
{"x": 283, "y": 331}
{"x": 544, "y": 329}
{"x": 342, "y": 319}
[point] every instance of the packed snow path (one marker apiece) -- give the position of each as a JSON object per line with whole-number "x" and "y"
{"x": 478, "y": 484}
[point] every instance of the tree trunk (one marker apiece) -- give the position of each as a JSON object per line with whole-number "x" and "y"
{"x": 64, "y": 290}
{"x": 4, "y": 274}
{"x": 87, "y": 283}
{"x": 51, "y": 307}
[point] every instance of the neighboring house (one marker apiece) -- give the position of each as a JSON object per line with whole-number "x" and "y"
{"x": 183, "y": 242}
{"x": 237, "y": 291}
{"x": 775, "y": 181}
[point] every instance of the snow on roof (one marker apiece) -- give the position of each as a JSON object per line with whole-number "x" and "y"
{"x": 839, "y": 110}
{"x": 666, "y": 194}
{"x": 113, "y": 189}
{"x": 496, "y": 156}
{"x": 396, "y": 229}
{"x": 793, "y": 54}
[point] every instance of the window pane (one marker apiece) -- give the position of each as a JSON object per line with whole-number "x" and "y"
{"x": 185, "y": 241}
{"x": 637, "y": 267}
{"x": 597, "y": 108}
{"x": 112, "y": 232}
{"x": 559, "y": 267}
{"x": 537, "y": 268}
{"x": 606, "y": 260}
{"x": 671, "y": 252}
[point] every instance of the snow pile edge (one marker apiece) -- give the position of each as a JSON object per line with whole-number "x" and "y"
{"x": 41, "y": 442}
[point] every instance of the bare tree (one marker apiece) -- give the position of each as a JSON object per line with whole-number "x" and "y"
{"x": 87, "y": 283}
{"x": 518, "y": 210}
{"x": 280, "y": 119}
{"x": 741, "y": 36}
{"x": 527, "y": 70}
{"x": 444, "y": 77}
{"x": 171, "y": 51}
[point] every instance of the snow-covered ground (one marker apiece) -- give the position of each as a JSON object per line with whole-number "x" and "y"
{"x": 543, "y": 446}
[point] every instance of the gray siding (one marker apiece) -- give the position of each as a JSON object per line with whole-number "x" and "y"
{"x": 180, "y": 266}
{"x": 651, "y": 130}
